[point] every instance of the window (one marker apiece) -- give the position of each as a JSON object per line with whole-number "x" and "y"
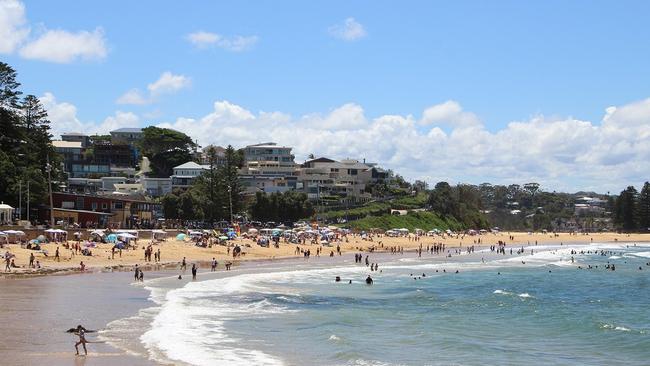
{"x": 94, "y": 206}
{"x": 118, "y": 205}
{"x": 104, "y": 206}
{"x": 67, "y": 204}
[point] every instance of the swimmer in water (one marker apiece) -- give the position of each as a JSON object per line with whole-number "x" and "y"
{"x": 369, "y": 280}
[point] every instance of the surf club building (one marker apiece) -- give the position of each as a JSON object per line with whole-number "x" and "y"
{"x": 101, "y": 211}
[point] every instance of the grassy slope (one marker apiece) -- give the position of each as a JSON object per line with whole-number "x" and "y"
{"x": 420, "y": 220}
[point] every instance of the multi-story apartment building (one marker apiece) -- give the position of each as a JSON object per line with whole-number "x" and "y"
{"x": 126, "y": 135}
{"x": 269, "y": 168}
{"x": 345, "y": 178}
{"x": 185, "y": 174}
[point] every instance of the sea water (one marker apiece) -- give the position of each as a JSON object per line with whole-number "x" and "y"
{"x": 498, "y": 310}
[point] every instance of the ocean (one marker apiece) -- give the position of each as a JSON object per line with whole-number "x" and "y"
{"x": 532, "y": 309}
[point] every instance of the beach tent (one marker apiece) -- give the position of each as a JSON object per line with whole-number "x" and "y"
{"x": 126, "y": 236}
{"x": 14, "y": 235}
{"x": 111, "y": 238}
{"x": 180, "y": 236}
{"x": 158, "y": 234}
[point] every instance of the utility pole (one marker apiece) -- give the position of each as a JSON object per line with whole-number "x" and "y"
{"x": 20, "y": 200}
{"x": 28, "y": 202}
{"x": 230, "y": 199}
{"x": 48, "y": 168}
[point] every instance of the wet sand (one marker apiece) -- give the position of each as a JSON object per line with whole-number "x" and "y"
{"x": 36, "y": 312}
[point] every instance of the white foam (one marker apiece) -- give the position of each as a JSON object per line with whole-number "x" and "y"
{"x": 191, "y": 324}
{"x": 334, "y": 338}
{"x": 502, "y": 292}
{"x": 640, "y": 254}
{"x": 525, "y": 295}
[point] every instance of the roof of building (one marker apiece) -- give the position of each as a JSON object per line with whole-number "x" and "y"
{"x": 128, "y": 130}
{"x": 270, "y": 145}
{"x": 83, "y": 211}
{"x": 191, "y": 165}
{"x": 67, "y": 144}
{"x": 74, "y": 134}
{"x": 105, "y": 196}
{"x": 320, "y": 160}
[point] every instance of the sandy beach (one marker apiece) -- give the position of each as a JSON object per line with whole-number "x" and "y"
{"x": 173, "y": 251}
{"x": 39, "y": 307}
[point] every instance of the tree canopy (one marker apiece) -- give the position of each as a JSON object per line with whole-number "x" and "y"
{"x": 165, "y": 148}
{"x": 25, "y": 144}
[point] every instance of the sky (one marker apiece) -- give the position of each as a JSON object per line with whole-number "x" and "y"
{"x": 556, "y": 92}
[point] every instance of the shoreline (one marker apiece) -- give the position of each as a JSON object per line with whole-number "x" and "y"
{"x": 116, "y": 287}
{"x": 100, "y": 261}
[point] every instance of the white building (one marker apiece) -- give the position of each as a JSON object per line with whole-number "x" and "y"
{"x": 268, "y": 168}
{"x": 185, "y": 174}
{"x": 346, "y": 178}
{"x": 156, "y": 187}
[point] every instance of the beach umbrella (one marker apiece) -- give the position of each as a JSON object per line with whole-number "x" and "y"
{"x": 180, "y": 236}
{"x": 126, "y": 236}
{"x": 51, "y": 231}
{"x": 112, "y": 238}
{"x": 41, "y": 238}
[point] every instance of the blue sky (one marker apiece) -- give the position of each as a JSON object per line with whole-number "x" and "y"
{"x": 500, "y": 61}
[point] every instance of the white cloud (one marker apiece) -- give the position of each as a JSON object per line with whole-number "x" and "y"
{"x": 64, "y": 47}
{"x": 349, "y": 30}
{"x": 560, "y": 153}
{"x": 56, "y": 45}
{"x": 133, "y": 96}
{"x": 13, "y": 28}
{"x": 63, "y": 118}
{"x": 168, "y": 83}
{"x": 563, "y": 154}
{"x": 449, "y": 112}
{"x": 235, "y": 43}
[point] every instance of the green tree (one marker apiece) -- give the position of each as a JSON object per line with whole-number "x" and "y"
{"x": 165, "y": 148}
{"x": 25, "y": 144}
{"x": 171, "y": 206}
{"x": 230, "y": 179}
{"x": 441, "y": 200}
{"x": 644, "y": 208}
{"x": 209, "y": 187}
{"x": 626, "y": 209}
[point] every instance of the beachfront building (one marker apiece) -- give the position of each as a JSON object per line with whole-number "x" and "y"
{"x": 327, "y": 177}
{"x": 126, "y": 135}
{"x": 115, "y": 211}
{"x": 268, "y": 168}
{"x": 71, "y": 151}
{"x": 156, "y": 187}
{"x": 76, "y": 137}
{"x": 185, "y": 174}
{"x": 203, "y": 158}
